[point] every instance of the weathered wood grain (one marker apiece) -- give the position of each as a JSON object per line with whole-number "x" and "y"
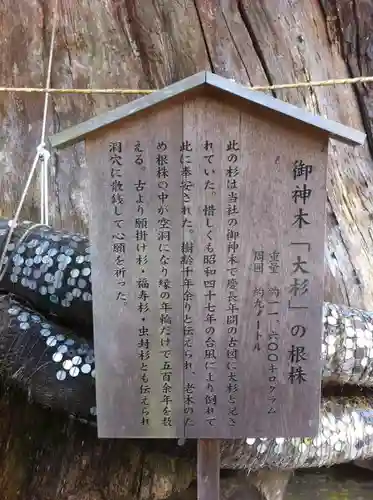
{"x": 208, "y": 210}
{"x": 208, "y": 469}
{"x": 125, "y": 35}
{"x": 112, "y": 43}
{"x": 135, "y": 364}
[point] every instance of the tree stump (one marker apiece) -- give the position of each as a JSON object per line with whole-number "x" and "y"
{"x": 139, "y": 44}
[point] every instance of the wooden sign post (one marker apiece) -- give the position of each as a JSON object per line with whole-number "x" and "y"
{"x": 207, "y": 230}
{"x": 208, "y": 469}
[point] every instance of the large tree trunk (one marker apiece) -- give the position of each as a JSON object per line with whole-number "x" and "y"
{"x": 142, "y": 44}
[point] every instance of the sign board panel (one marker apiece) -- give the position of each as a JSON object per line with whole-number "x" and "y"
{"x": 207, "y": 230}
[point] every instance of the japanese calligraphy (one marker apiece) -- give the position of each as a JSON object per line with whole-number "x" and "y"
{"x": 164, "y": 236}
{"x": 273, "y": 302}
{"x": 299, "y": 286}
{"x": 210, "y": 271}
{"x": 232, "y": 181}
{"x": 142, "y": 283}
{"x": 119, "y": 239}
{"x": 266, "y": 307}
{"x": 187, "y": 269}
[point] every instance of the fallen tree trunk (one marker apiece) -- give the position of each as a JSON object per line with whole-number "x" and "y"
{"x": 148, "y": 45}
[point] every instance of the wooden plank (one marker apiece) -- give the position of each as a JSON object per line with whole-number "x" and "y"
{"x": 208, "y": 469}
{"x": 113, "y": 116}
{"x": 256, "y": 363}
{"x": 221, "y": 221}
{"x": 206, "y": 126}
{"x": 137, "y": 295}
{"x": 284, "y": 194}
{"x": 283, "y": 110}
{"x": 336, "y": 130}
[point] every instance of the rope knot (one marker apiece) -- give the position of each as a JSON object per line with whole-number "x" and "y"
{"x": 43, "y": 153}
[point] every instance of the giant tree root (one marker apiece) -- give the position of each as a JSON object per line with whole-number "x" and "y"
{"x": 56, "y": 367}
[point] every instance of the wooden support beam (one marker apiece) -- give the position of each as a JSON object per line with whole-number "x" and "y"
{"x": 208, "y": 469}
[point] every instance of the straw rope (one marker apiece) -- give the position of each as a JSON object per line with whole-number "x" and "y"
{"x": 295, "y": 85}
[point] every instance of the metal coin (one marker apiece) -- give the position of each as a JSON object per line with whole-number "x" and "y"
{"x": 27, "y": 271}
{"x": 77, "y": 360}
{"x": 18, "y": 260}
{"x": 51, "y": 341}
{"x": 67, "y": 364}
{"x": 36, "y": 274}
{"x": 86, "y": 271}
{"x": 32, "y": 284}
{"x": 86, "y": 368}
{"x": 74, "y": 273}
{"x": 57, "y": 357}
{"x": 76, "y": 293}
{"x": 14, "y": 311}
{"x": 32, "y": 244}
{"x": 58, "y": 275}
{"x": 61, "y": 375}
{"x": 74, "y": 371}
{"x": 82, "y": 283}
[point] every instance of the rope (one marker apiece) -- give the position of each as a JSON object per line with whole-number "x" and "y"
{"x": 13, "y": 222}
{"x": 294, "y": 85}
{"x": 43, "y": 155}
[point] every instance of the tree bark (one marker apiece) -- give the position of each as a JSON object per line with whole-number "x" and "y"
{"x": 142, "y": 44}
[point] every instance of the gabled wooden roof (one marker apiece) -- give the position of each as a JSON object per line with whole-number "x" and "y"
{"x": 335, "y": 130}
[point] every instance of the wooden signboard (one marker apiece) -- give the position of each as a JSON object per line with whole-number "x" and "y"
{"x": 207, "y": 231}
{"x": 208, "y": 261}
